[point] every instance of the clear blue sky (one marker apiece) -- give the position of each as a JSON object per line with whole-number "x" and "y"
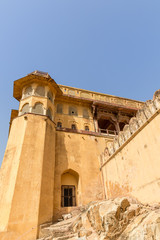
{"x": 109, "y": 46}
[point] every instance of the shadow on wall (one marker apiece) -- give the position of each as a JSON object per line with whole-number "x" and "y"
{"x": 67, "y": 173}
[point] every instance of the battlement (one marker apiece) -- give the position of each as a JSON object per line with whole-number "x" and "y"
{"x": 143, "y": 115}
{"x": 130, "y": 164}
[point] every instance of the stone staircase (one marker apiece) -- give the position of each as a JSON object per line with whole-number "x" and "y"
{"x": 58, "y": 231}
{"x": 63, "y": 229}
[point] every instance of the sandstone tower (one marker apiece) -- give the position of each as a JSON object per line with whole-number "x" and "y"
{"x": 28, "y": 166}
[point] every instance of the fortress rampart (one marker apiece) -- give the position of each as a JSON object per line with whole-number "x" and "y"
{"x": 55, "y": 160}
{"x": 131, "y": 163}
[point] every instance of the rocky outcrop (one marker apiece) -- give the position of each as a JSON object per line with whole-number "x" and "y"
{"x": 118, "y": 219}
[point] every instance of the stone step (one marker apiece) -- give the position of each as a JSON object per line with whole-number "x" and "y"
{"x": 46, "y": 238}
{"x": 59, "y": 224}
{"x": 57, "y": 229}
{"x": 66, "y": 216}
{"x": 70, "y": 236}
{"x": 60, "y": 220}
{"x": 45, "y": 225}
{"x": 64, "y": 222}
{"x": 61, "y": 234}
{"x": 56, "y": 232}
{"x": 60, "y": 230}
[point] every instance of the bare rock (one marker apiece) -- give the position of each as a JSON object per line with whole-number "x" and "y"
{"x": 115, "y": 219}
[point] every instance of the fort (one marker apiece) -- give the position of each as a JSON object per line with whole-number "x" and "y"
{"x": 68, "y": 147}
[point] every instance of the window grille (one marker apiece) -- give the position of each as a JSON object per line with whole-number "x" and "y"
{"x": 68, "y": 198}
{"x": 38, "y": 108}
{"x": 73, "y": 111}
{"x": 73, "y": 127}
{"x": 59, "y": 124}
{"x": 40, "y": 91}
{"x": 86, "y": 128}
{"x": 25, "y": 108}
{"x": 28, "y": 92}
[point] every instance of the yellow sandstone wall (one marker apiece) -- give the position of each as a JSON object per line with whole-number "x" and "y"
{"x": 135, "y": 168}
{"x": 80, "y": 154}
{"x": 9, "y": 170}
{"x": 27, "y": 176}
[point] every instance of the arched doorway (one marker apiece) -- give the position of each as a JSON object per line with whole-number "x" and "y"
{"x": 69, "y": 188}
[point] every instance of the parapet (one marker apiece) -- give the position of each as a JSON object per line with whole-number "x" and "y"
{"x": 143, "y": 115}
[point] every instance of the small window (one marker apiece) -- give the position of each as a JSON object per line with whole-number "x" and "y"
{"x": 25, "y": 108}
{"x": 86, "y": 128}
{"x": 28, "y": 92}
{"x": 59, "y": 125}
{"x": 40, "y": 91}
{"x": 68, "y": 198}
{"x": 38, "y": 108}
{"x": 73, "y": 127}
{"x": 50, "y": 96}
{"x": 59, "y": 108}
{"x": 85, "y": 113}
{"x": 73, "y": 111}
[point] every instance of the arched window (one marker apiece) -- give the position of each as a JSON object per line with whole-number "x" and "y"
{"x": 69, "y": 188}
{"x": 28, "y": 92}
{"x": 73, "y": 111}
{"x": 59, "y": 125}
{"x": 38, "y": 108}
{"x": 73, "y": 127}
{"x": 86, "y": 128}
{"x": 40, "y": 91}
{"x": 25, "y": 108}
{"x": 59, "y": 108}
{"x": 85, "y": 113}
{"x": 50, "y": 96}
{"x": 49, "y": 113}
{"x": 121, "y": 125}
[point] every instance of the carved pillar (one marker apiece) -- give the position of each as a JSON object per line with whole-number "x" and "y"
{"x": 95, "y": 119}
{"x": 96, "y": 125}
{"x": 117, "y": 126}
